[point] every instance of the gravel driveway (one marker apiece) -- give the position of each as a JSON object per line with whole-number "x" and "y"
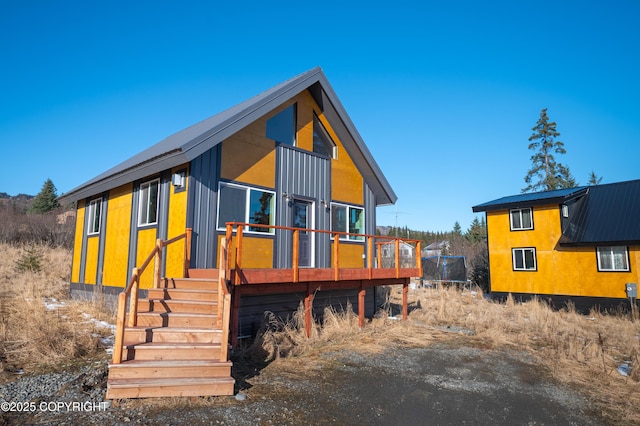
{"x": 437, "y": 385}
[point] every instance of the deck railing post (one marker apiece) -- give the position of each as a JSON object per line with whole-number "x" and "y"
{"x": 133, "y": 301}
{"x": 295, "y": 255}
{"x": 120, "y": 320}
{"x": 239, "y": 232}
{"x": 370, "y": 256}
{"x": 336, "y": 257}
{"x": 419, "y": 256}
{"x": 397, "y": 258}
{"x": 157, "y": 267}
{"x": 187, "y": 252}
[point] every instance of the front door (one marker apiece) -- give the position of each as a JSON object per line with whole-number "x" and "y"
{"x": 302, "y": 218}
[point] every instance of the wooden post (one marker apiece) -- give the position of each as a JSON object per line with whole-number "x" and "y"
{"x": 229, "y": 237}
{"x": 295, "y": 255}
{"x": 397, "y": 258}
{"x": 158, "y": 264}
{"x": 361, "y": 293}
{"x": 336, "y": 257}
{"x": 419, "y": 256}
{"x": 133, "y": 301}
{"x": 370, "y": 256}
{"x": 187, "y": 252}
{"x": 238, "y": 253}
{"x": 222, "y": 278}
{"x": 119, "y": 337}
{"x": 405, "y": 300}
{"x": 235, "y": 312}
{"x": 308, "y": 311}
{"x": 224, "y": 342}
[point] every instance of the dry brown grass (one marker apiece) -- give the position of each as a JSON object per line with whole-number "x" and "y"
{"x": 40, "y": 327}
{"x": 580, "y": 351}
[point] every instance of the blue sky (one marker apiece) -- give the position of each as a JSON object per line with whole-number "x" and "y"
{"x": 444, "y": 93}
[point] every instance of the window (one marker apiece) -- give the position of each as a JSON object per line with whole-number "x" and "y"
{"x": 93, "y": 216}
{"x": 282, "y": 127}
{"x": 238, "y": 203}
{"x": 148, "y": 198}
{"x": 521, "y": 219}
{"x": 615, "y": 258}
{"x": 524, "y": 259}
{"x": 346, "y": 218}
{"x": 322, "y": 142}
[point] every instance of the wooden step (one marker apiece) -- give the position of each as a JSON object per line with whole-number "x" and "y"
{"x": 161, "y": 387}
{"x": 176, "y": 319}
{"x": 142, "y": 334}
{"x": 212, "y": 274}
{"x": 172, "y": 305}
{"x": 182, "y": 294}
{"x": 190, "y": 283}
{"x": 159, "y": 351}
{"x": 140, "y": 369}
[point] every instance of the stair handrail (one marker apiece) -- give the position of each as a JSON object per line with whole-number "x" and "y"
{"x": 224, "y": 301}
{"x": 130, "y": 293}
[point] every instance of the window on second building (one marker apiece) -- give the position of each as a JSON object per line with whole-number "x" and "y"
{"x": 524, "y": 259}
{"x": 613, "y": 258}
{"x": 521, "y": 219}
{"x": 94, "y": 211}
{"x": 237, "y": 203}
{"x": 148, "y": 198}
{"x": 345, "y": 218}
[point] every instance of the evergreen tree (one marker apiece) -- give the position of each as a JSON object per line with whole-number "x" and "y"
{"x": 546, "y": 174}
{"x": 46, "y": 200}
{"x": 594, "y": 179}
{"x": 457, "y": 229}
{"x": 477, "y": 231}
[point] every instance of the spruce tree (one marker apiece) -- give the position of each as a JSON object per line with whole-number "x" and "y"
{"x": 594, "y": 179}
{"x": 46, "y": 200}
{"x": 546, "y": 174}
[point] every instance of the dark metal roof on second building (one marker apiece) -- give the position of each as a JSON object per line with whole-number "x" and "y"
{"x": 530, "y": 199}
{"x": 608, "y": 215}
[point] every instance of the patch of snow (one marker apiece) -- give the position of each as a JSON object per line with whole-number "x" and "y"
{"x": 51, "y": 304}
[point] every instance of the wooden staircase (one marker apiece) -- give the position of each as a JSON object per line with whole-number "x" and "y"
{"x": 174, "y": 348}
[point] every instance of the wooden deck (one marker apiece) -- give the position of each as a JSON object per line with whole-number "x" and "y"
{"x": 187, "y": 323}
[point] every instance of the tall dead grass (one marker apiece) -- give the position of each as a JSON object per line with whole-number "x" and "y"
{"x": 40, "y": 327}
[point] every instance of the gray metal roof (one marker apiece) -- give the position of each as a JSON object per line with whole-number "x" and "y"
{"x": 530, "y": 199}
{"x": 186, "y": 145}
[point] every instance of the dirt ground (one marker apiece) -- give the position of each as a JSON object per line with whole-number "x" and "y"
{"x": 443, "y": 384}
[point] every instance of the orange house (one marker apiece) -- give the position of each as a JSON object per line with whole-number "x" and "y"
{"x": 580, "y": 244}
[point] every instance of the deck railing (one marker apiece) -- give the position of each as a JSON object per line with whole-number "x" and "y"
{"x": 235, "y": 247}
{"x": 130, "y": 294}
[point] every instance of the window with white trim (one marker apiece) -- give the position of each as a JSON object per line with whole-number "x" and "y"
{"x": 524, "y": 259}
{"x": 346, "y": 218}
{"x": 148, "y": 203}
{"x": 612, "y": 258}
{"x": 94, "y": 210}
{"x": 521, "y": 219}
{"x": 238, "y": 203}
